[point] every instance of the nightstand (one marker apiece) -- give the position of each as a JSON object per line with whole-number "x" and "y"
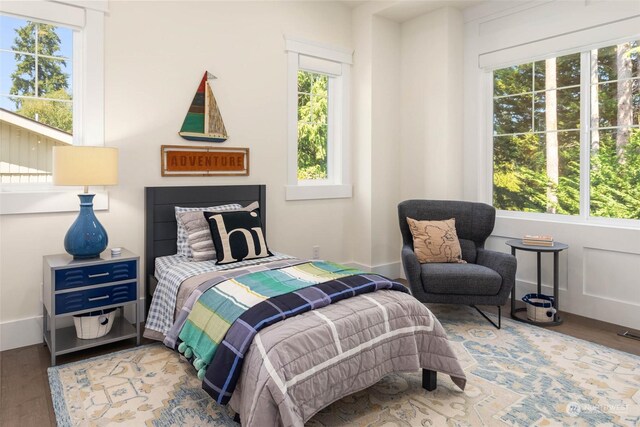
{"x": 80, "y": 286}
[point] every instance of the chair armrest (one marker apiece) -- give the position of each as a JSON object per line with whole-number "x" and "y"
{"x": 411, "y": 267}
{"x": 504, "y": 264}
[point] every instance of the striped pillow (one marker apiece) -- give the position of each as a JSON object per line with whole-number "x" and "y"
{"x": 199, "y": 233}
{"x": 183, "y": 245}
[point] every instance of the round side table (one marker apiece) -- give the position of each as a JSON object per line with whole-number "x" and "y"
{"x": 555, "y": 249}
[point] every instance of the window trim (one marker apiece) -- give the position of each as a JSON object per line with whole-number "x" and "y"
{"x": 338, "y": 183}
{"x": 584, "y": 217}
{"x": 86, "y": 19}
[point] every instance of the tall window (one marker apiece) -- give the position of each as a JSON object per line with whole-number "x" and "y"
{"x": 615, "y": 132}
{"x": 36, "y": 98}
{"x": 538, "y": 135}
{"x": 318, "y": 119}
{"x": 313, "y": 125}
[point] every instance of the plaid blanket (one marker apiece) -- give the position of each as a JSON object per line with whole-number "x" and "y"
{"x": 171, "y": 271}
{"x": 218, "y": 308}
{"x": 224, "y": 371}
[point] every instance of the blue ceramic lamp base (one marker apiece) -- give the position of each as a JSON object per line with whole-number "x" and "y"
{"x": 86, "y": 238}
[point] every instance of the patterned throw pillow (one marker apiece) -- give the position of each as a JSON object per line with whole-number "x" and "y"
{"x": 435, "y": 241}
{"x": 183, "y": 245}
{"x": 199, "y": 234}
{"x": 237, "y": 236}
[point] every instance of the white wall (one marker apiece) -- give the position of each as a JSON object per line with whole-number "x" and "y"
{"x": 361, "y": 132}
{"x": 386, "y": 145}
{"x": 407, "y": 133}
{"x": 376, "y": 141}
{"x": 432, "y": 60}
{"x": 599, "y": 276}
{"x": 156, "y": 53}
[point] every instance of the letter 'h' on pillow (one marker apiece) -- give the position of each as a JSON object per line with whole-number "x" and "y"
{"x": 435, "y": 241}
{"x": 199, "y": 234}
{"x": 237, "y": 236}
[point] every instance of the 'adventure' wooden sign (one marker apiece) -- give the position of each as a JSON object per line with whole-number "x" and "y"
{"x": 178, "y": 160}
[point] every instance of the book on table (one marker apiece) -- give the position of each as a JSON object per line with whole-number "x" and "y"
{"x": 537, "y": 240}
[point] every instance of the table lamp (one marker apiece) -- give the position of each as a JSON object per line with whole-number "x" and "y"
{"x": 85, "y": 166}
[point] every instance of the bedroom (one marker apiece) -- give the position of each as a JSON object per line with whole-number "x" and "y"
{"x": 416, "y": 131}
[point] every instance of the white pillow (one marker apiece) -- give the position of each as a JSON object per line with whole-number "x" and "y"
{"x": 182, "y": 243}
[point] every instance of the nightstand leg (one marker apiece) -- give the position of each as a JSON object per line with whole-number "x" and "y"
{"x": 52, "y": 349}
{"x": 44, "y": 324}
{"x": 137, "y": 306}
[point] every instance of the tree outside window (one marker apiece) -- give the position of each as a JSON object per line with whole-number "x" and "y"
{"x": 312, "y": 125}
{"x": 537, "y": 134}
{"x": 35, "y": 73}
{"x": 615, "y": 131}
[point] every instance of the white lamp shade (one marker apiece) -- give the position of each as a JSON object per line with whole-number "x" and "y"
{"x": 85, "y": 166}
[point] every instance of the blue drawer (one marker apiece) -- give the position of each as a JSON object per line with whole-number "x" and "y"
{"x": 68, "y": 278}
{"x": 97, "y": 297}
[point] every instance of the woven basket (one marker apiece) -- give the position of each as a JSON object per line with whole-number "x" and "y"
{"x": 94, "y": 324}
{"x": 539, "y": 307}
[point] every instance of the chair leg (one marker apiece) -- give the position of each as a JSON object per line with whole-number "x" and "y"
{"x": 491, "y": 321}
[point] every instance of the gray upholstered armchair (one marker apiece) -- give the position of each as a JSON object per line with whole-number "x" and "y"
{"x": 488, "y": 276}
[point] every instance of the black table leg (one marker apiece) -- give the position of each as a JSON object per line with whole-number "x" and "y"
{"x": 539, "y": 273}
{"x": 513, "y": 290}
{"x": 556, "y": 295}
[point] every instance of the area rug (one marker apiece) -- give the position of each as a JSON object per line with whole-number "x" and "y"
{"x": 520, "y": 375}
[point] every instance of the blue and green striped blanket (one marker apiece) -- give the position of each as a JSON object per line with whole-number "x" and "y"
{"x": 219, "y": 307}
{"x": 224, "y": 371}
{"x": 225, "y": 318}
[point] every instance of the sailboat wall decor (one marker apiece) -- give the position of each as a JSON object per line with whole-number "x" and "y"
{"x": 204, "y": 121}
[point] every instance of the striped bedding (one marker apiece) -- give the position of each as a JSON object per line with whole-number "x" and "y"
{"x": 171, "y": 272}
{"x": 295, "y": 367}
{"x": 221, "y": 305}
{"x": 224, "y": 371}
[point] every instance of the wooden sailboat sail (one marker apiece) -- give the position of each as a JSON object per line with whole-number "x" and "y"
{"x": 204, "y": 121}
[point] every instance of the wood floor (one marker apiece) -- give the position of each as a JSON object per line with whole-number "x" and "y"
{"x": 25, "y": 398}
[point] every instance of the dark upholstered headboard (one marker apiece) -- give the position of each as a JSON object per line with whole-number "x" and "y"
{"x": 160, "y": 221}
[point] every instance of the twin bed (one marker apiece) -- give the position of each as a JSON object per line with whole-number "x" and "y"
{"x": 291, "y": 355}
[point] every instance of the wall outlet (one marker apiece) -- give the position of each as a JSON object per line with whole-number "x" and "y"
{"x": 315, "y": 252}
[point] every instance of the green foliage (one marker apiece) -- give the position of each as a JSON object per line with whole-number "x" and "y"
{"x": 312, "y": 126}
{"x": 520, "y": 176}
{"x": 52, "y": 82}
{"x": 615, "y": 186}
{"x": 53, "y": 113}
{"x": 520, "y": 181}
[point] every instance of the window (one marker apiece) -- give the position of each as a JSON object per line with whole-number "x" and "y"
{"x": 318, "y": 117}
{"x": 36, "y": 97}
{"x": 55, "y": 53}
{"x": 614, "y": 131}
{"x": 313, "y": 136}
{"x": 538, "y": 134}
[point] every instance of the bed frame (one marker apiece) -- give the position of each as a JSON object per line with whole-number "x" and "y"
{"x": 160, "y": 227}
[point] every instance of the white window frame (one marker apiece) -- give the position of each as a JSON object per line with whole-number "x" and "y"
{"x": 335, "y": 63}
{"x": 86, "y": 19}
{"x": 584, "y": 216}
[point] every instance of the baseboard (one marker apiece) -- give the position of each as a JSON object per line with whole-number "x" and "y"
{"x": 20, "y": 333}
{"x": 391, "y": 270}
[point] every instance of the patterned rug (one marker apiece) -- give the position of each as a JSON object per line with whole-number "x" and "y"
{"x": 519, "y": 375}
